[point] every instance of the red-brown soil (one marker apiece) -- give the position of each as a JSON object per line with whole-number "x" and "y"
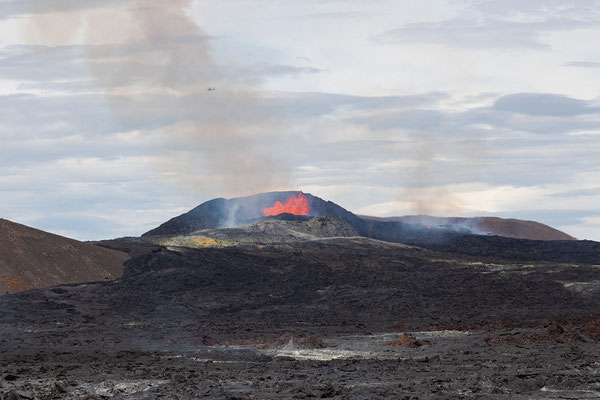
{"x": 30, "y": 259}
{"x": 407, "y": 341}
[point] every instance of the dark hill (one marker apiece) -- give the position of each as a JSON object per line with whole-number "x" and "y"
{"x": 227, "y": 213}
{"x": 452, "y": 234}
{"x": 30, "y": 258}
{"x": 239, "y": 211}
{"x": 512, "y": 228}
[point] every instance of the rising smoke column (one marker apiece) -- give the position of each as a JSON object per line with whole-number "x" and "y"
{"x": 154, "y": 64}
{"x": 422, "y": 189}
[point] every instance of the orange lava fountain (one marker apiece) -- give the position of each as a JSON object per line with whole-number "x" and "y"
{"x": 297, "y": 205}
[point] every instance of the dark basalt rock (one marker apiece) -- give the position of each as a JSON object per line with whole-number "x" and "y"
{"x": 177, "y": 324}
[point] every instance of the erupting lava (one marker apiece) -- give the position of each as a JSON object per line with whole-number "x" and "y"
{"x": 297, "y": 205}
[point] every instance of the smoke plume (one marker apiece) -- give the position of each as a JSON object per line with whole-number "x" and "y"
{"x": 154, "y": 65}
{"x": 422, "y": 190}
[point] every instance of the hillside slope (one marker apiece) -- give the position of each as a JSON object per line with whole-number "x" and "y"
{"x": 30, "y": 259}
{"x": 239, "y": 211}
{"x": 512, "y": 228}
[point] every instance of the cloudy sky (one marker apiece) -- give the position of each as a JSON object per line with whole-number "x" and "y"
{"x": 456, "y": 107}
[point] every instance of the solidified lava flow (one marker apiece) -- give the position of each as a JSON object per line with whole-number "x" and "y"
{"x": 297, "y": 205}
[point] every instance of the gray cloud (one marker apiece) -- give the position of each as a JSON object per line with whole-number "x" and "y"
{"x": 306, "y": 105}
{"x": 508, "y": 143}
{"x": 523, "y": 122}
{"x": 258, "y": 71}
{"x": 467, "y": 33}
{"x": 544, "y": 104}
{"x": 582, "y": 9}
{"x": 583, "y": 64}
{"x": 69, "y": 68}
{"x": 12, "y": 8}
{"x": 80, "y": 207}
{"x": 500, "y": 24}
{"x": 402, "y": 120}
{"x": 523, "y": 112}
{"x": 333, "y": 15}
{"x": 43, "y": 63}
{"x": 580, "y": 192}
{"x": 31, "y": 116}
{"x": 36, "y": 118}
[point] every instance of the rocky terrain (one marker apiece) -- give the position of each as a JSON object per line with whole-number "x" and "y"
{"x": 212, "y": 322}
{"x": 30, "y": 258}
{"x": 296, "y": 306}
{"x": 281, "y": 229}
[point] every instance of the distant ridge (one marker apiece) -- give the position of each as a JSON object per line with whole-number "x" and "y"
{"x": 235, "y": 212}
{"x": 507, "y": 227}
{"x": 31, "y": 259}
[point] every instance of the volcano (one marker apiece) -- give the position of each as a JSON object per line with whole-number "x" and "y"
{"x": 475, "y": 236}
{"x": 240, "y": 211}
